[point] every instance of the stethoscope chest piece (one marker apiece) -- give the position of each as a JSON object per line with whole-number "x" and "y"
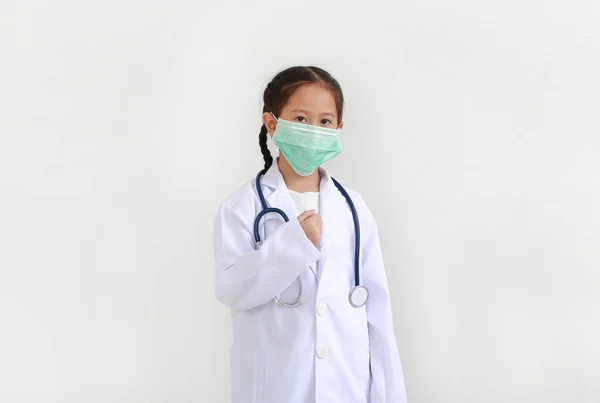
{"x": 358, "y": 296}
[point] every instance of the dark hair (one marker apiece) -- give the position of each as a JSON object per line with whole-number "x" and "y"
{"x": 281, "y": 88}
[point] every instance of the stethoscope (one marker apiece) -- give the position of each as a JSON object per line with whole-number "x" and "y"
{"x": 359, "y": 294}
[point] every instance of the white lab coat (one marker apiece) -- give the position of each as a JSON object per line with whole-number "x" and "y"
{"x": 325, "y": 350}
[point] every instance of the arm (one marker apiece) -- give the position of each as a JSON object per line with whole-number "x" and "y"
{"x": 387, "y": 382}
{"x": 247, "y": 277}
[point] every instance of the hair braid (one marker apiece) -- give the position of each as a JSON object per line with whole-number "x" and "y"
{"x": 262, "y": 141}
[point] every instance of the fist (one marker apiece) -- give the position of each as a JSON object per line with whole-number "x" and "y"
{"x": 312, "y": 225}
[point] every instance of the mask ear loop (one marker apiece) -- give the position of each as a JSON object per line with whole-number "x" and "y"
{"x": 273, "y": 148}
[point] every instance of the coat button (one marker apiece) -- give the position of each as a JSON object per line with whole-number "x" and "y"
{"x": 322, "y": 351}
{"x": 321, "y": 308}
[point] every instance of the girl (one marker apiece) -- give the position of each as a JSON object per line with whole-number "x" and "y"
{"x": 297, "y": 338}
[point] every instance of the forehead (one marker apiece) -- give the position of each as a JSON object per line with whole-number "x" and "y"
{"x": 312, "y": 97}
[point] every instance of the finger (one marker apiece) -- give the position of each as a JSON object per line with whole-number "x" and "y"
{"x": 306, "y": 215}
{"x": 313, "y": 219}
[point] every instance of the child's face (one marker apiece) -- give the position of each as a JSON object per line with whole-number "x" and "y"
{"x": 312, "y": 104}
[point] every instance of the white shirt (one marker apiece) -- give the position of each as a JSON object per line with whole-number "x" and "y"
{"x": 306, "y": 201}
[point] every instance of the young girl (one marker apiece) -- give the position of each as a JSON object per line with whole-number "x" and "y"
{"x": 298, "y": 335}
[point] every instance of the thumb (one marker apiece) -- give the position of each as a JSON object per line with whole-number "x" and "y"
{"x": 305, "y": 215}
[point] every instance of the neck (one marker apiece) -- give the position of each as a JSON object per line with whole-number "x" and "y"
{"x": 295, "y": 182}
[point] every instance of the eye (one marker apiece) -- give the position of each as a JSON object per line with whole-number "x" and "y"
{"x": 325, "y": 121}
{"x": 301, "y": 119}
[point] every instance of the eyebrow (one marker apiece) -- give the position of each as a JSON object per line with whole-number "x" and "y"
{"x": 306, "y": 112}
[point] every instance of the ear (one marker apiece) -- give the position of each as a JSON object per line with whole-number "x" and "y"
{"x": 270, "y": 122}
{"x": 341, "y": 125}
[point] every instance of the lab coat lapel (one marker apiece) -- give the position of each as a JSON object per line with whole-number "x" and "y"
{"x": 332, "y": 207}
{"x": 280, "y": 197}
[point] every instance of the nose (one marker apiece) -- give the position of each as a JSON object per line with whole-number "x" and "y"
{"x": 315, "y": 121}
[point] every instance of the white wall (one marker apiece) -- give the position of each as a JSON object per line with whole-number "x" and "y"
{"x": 471, "y": 129}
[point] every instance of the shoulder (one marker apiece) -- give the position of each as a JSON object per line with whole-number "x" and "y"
{"x": 241, "y": 202}
{"x": 362, "y": 209}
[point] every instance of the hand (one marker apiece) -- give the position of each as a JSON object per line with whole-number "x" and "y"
{"x": 312, "y": 225}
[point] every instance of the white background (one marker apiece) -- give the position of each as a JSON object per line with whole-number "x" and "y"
{"x": 471, "y": 129}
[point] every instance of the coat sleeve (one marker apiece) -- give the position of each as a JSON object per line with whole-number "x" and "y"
{"x": 387, "y": 379}
{"x": 247, "y": 277}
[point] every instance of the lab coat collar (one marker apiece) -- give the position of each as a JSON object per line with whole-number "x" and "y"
{"x": 332, "y": 204}
{"x": 332, "y": 208}
{"x": 281, "y": 197}
{"x": 272, "y": 178}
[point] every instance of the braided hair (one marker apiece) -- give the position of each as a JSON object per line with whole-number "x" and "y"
{"x": 281, "y": 88}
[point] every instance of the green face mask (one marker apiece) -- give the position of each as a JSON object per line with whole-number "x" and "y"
{"x": 305, "y": 146}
